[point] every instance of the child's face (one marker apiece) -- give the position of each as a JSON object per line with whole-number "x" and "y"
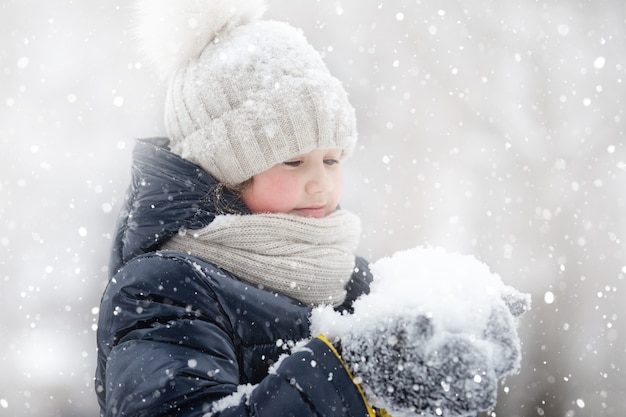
{"x": 307, "y": 185}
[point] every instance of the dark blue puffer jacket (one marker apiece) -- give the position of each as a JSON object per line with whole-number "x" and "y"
{"x": 177, "y": 334}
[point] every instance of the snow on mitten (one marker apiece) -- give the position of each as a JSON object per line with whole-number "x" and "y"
{"x": 459, "y": 293}
{"x": 433, "y": 336}
{"x": 501, "y": 331}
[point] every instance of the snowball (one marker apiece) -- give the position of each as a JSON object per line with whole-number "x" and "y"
{"x": 456, "y": 291}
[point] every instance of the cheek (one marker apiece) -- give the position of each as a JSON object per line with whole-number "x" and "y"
{"x": 338, "y": 190}
{"x": 269, "y": 193}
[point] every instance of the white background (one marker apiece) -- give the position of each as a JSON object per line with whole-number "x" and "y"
{"x": 490, "y": 127}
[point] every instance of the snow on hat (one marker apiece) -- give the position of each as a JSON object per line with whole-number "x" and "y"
{"x": 244, "y": 94}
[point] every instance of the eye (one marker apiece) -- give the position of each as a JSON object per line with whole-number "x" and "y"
{"x": 293, "y": 163}
{"x": 331, "y": 161}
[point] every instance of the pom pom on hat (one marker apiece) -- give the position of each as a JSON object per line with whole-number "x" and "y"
{"x": 172, "y": 32}
{"x": 244, "y": 94}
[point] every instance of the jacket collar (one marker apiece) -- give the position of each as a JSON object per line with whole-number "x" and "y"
{"x": 166, "y": 194}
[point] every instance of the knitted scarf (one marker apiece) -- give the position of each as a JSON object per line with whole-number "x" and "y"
{"x": 309, "y": 259}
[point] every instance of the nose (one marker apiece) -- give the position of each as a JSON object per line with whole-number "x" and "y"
{"x": 319, "y": 181}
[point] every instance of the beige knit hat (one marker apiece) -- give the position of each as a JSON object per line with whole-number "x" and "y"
{"x": 247, "y": 94}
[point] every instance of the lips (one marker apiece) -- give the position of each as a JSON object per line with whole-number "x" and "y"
{"x": 317, "y": 211}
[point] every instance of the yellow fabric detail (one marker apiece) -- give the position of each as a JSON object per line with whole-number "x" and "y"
{"x": 380, "y": 412}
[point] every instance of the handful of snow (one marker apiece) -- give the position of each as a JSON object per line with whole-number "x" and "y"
{"x": 456, "y": 291}
{"x": 433, "y": 336}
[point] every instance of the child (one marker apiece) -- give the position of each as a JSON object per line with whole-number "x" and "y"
{"x": 231, "y": 233}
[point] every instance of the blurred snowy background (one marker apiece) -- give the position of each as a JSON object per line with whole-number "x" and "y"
{"x": 490, "y": 127}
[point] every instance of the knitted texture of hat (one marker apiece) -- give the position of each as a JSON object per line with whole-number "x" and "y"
{"x": 257, "y": 95}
